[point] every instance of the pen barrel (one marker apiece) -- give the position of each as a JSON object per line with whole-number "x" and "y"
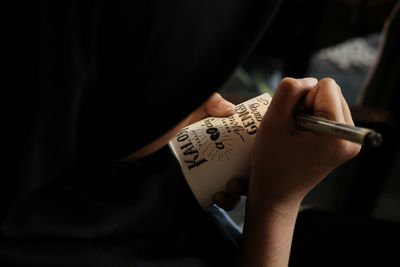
{"x": 352, "y": 133}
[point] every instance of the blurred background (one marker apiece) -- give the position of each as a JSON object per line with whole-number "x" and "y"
{"x": 357, "y": 44}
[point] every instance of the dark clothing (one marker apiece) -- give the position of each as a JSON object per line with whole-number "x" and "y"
{"x": 329, "y": 238}
{"x": 98, "y": 80}
{"x": 116, "y": 213}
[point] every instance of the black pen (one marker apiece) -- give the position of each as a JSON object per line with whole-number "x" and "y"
{"x": 355, "y": 134}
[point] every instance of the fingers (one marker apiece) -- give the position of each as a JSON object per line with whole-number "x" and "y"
{"x": 217, "y": 106}
{"x": 236, "y": 187}
{"x": 288, "y": 96}
{"x": 346, "y": 111}
{"x": 326, "y": 100}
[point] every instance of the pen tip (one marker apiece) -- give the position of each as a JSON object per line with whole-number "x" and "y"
{"x": 373, "y": 139}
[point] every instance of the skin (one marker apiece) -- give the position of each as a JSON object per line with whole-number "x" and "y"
{"x": 215, "y": 106}
{"x": 287, "y": 163}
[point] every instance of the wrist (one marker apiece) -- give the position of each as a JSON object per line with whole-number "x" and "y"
{"x": 274, "y": 195}
{"x": 269, "y": 204}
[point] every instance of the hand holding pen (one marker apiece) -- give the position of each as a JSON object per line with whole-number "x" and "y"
{"x": 360, "y": 135}
{"x": 345, "y": 129}
{"x": 288, "y": 162}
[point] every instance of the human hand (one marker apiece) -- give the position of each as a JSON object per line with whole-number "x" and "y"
{"x": 215, "y": 106}
{"x": 288, "y": 161}
{"x": 230, "y": 198}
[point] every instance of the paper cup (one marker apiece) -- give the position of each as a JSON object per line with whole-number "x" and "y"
{"x": 215, "y": 150}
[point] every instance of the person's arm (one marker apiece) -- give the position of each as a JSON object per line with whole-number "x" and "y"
{"x": 215, "y": 106}
{"x": 287, "y": 163}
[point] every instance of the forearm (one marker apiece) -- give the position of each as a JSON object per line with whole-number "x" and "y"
{"x": 287, "y": 164}
{"x": 267, "y": 234}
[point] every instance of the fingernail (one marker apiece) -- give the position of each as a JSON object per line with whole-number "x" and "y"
{"x": 226, "y": 106}
{"x": 310, "y": 81}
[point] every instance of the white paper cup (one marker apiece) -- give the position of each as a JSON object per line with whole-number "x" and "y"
{"x": 215, "y": 150}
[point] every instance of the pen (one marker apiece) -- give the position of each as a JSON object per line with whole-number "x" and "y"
{"x": 355, "y": 134}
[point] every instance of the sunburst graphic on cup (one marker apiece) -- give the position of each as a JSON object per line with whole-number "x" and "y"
{"x": 217, "y": 142}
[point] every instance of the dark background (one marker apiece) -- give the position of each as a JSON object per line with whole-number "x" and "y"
{"x": 355, "y": 212}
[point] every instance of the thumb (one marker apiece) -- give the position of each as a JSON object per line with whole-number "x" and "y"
{"x": 217, "y": 106}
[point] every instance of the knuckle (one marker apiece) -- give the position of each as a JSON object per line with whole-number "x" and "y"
{"x": 346, "y": 150}
{"x": 214, "y": 98}
{"x": 353, "y": 150}
{"x": 290, "y": 86}
{"x": 328, "y": 82}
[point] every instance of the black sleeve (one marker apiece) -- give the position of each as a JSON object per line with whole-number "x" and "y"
{"x": 158, "y": 60}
